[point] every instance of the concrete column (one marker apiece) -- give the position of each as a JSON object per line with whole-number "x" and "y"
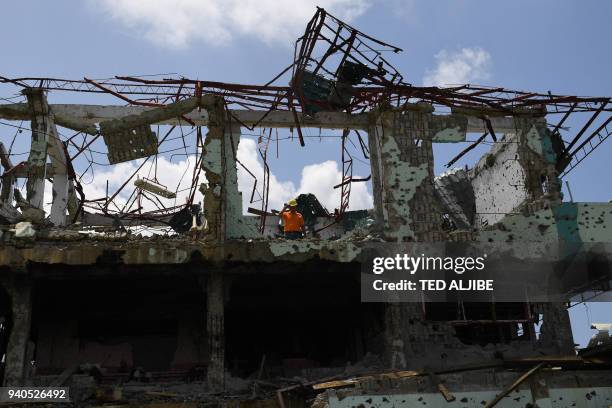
{"x": 374, "y": 139}
{"x": 6, "y": 192}
{"x": 7, "y": 210}
{"x": 214, "y": 157}
{"x": 46, "y": 143}
{"x": 539, "y": 159}
{"x": 16, "y": 354}
{"x": 215, "y": 329}
{"x": 236, "y": 224}
{"x": 393, "y": 333}
{"x": 41, "y": 130}
{"x": 222, "y": 199}
{"x": 556, "y": 330}
{"x": 406, "y": 173}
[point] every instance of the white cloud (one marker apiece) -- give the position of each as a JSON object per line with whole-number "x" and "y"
{"x": 168, "y": 174}
{"x": 280, "y": 192}
{"x": 318, "y": 179}
{"x": 404, "y": 9}
{"x": 179, "y": 23}
{"x": 460, "y": 67}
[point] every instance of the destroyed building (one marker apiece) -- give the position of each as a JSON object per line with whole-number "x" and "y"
{"x": 220, "y": 299}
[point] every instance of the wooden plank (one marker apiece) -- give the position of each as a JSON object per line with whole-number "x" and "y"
{"x": 441, "y": 387}
{"x": 352, "y": 381}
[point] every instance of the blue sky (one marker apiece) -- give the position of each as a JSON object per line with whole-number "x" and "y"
{"x": 544, "y": 45}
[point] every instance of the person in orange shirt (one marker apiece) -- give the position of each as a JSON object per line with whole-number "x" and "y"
{"x": 293, "y": 223}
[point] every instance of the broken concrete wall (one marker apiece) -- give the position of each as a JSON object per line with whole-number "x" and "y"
{"x": 556, "y": 330}
{"x": 474, "y": 387}
{"x": 498, "y": 180}
{"x": 539, "y": 158}
{"x": 558, "y": 222}
{"x": 414, "y": 340}
{"x": 326, "y": 226}
{"x": 410, "y": 211}
{"x": 454, "y": 190}
{"x": 518, "y": 169}
{"x": 402, "y": 169}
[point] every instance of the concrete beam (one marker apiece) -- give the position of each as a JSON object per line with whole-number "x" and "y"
{"x": 92, "y": 114}
{"x": 20, "y": 111}
{"x": 285, "y": 119}
{"x": 500, "y": 125}
{"x": 148, "y": 116}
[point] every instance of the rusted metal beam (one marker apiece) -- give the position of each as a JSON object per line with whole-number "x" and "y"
{"x": 119, "y": 95}
{"x": 563, "y": 119}
{"x": 296, "y": 120}
{"x": 467, "y": 150}
{"x": 257, "y": 211}
{"x": 353, "y": 180}
{"x": 595, "y": 133}
{"x": 585, "y": 127}
{"x": 454, "y": 97}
